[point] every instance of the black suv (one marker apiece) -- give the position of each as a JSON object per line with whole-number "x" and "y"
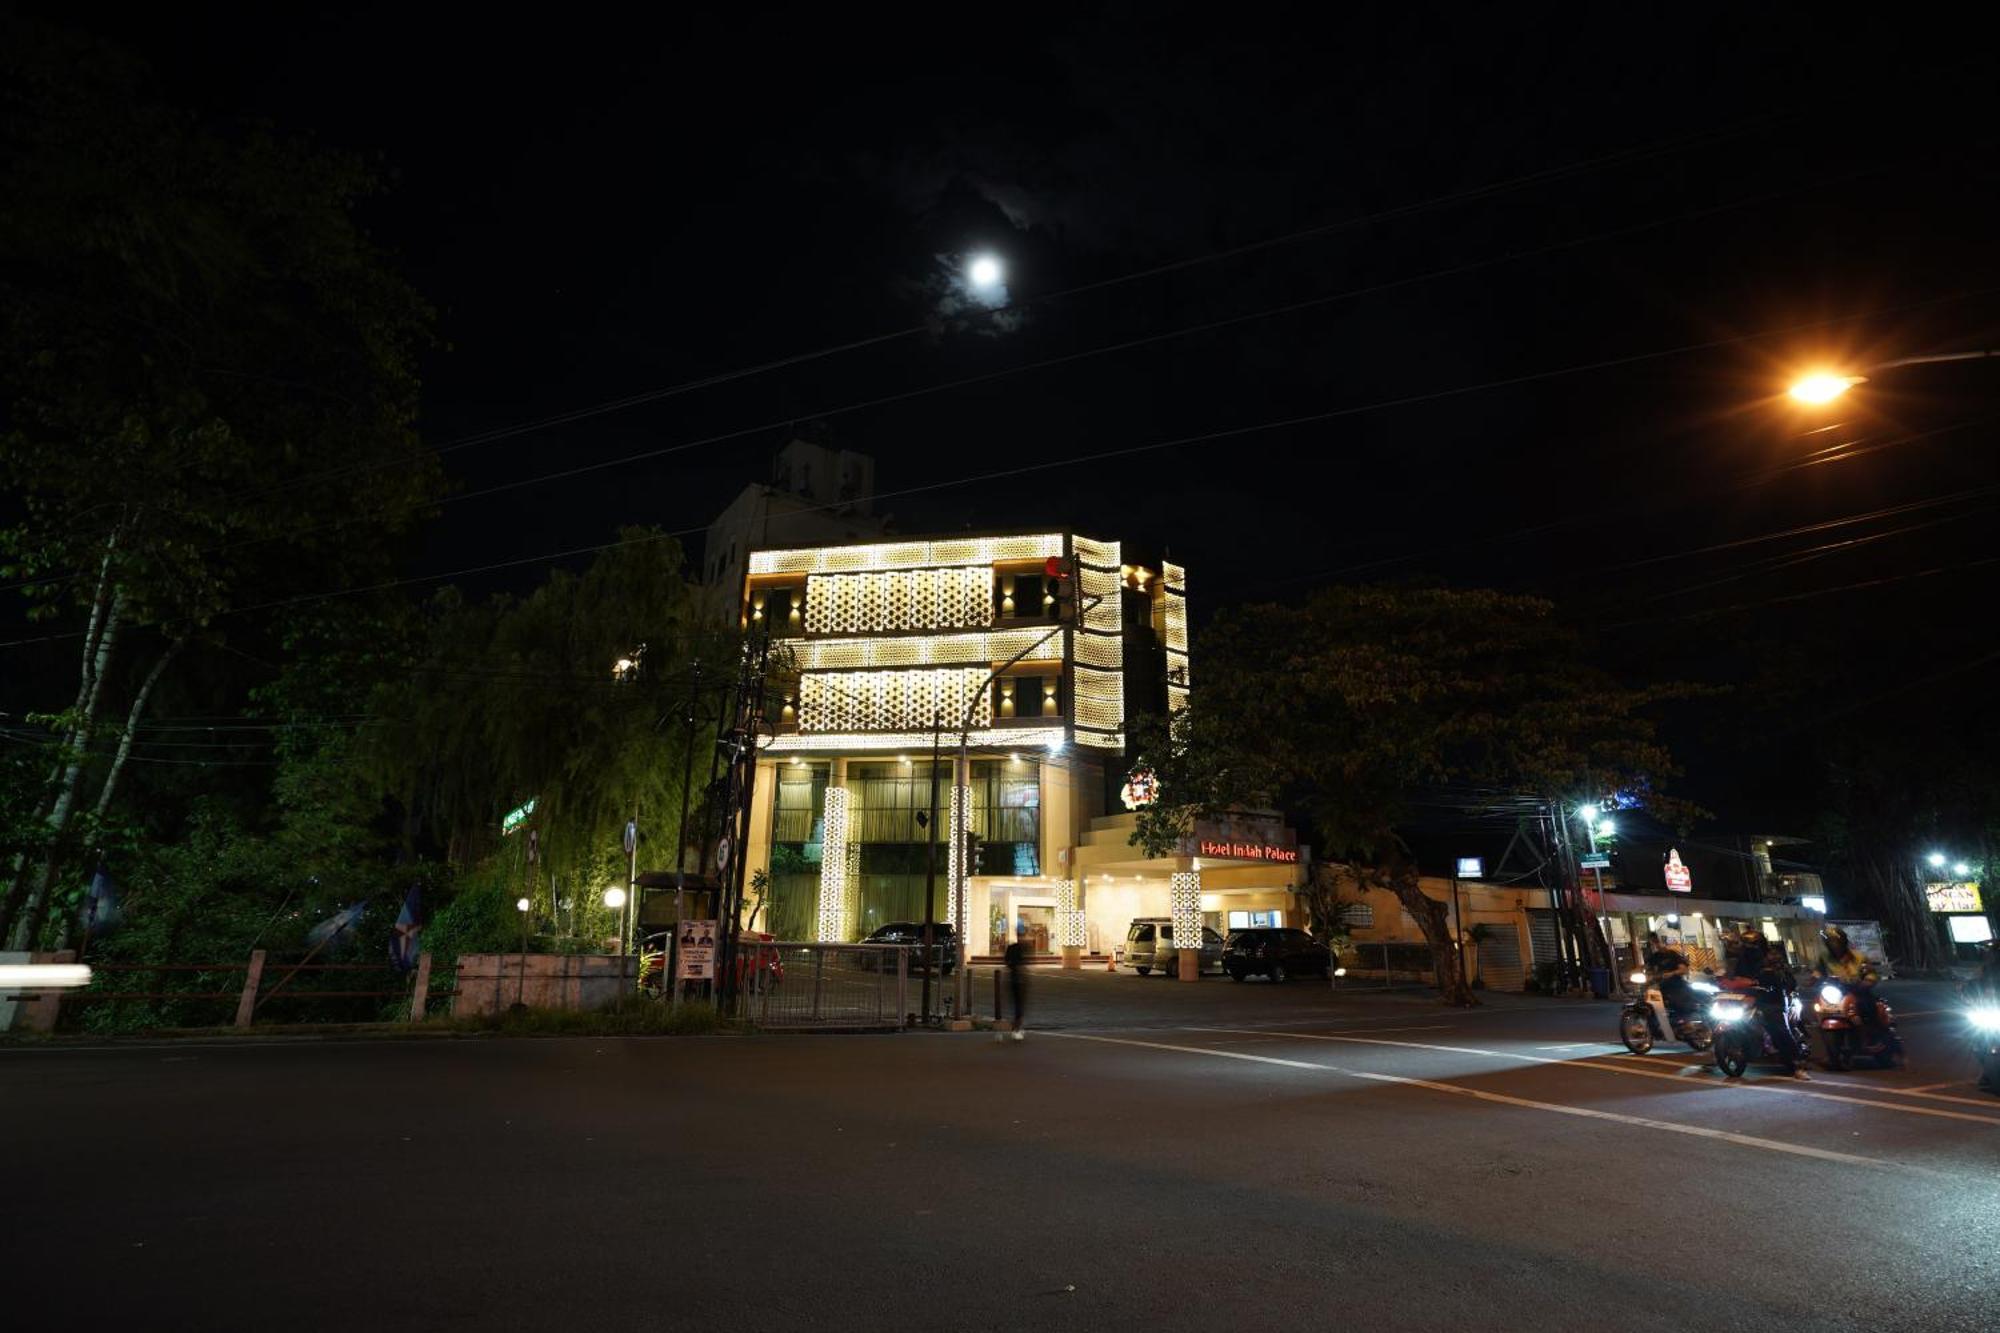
{"x": 943, "y": 942}
{"x": 1277, "y": 952}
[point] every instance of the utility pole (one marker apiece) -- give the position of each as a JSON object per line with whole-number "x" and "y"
{"x": 742, "y": 791}
{"x": 672, "y": 979}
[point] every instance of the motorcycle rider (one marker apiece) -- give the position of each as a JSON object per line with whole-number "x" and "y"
{"x": 1765, "y": 967}
{"x": 1847, "y": 965}
{"x": 1668, "y": 969}
{"x": 1984, "y": 988}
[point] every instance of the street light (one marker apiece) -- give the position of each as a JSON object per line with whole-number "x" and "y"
{"x": 1961, "y": 869}
{"x": 522, "y": 905}
{"x": 614, "y": 897}
{"x": 1814, "y": 390}
{"x": 1821, "y": 387}
{"x": 1935, "y": 858}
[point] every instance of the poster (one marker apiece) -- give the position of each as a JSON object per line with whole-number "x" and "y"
{"x": 1677, "y": 876}
{"x": 697, "y": 951}
{"x": 1865, "y": 938}
{"x": 1960, "y": 896}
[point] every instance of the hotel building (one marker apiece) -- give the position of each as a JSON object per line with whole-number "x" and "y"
{"x": 1042, "y": 648}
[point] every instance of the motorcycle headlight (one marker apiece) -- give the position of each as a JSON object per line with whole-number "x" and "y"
{"x": 1725, "y": 1013}
{"x": 1829, "y": 994}
{"x": 1986, "y": 1018}
{"x": 1637, "y": 978}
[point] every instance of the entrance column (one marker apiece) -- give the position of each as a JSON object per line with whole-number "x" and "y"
{"x": 1184, "y": 901}
{"x": 832, "y": 923}
{"x": 1069, "y": 924}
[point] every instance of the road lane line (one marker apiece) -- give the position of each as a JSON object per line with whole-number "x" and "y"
{"x": 1501, "y": 1099}
{"x": 1589, "y": 1062}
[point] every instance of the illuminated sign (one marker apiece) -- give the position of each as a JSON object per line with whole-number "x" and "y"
{"x": 516, "y": 817}
{"x": 1472, "y": 867}
{"x": 1960, "y": 896}
{"x": 1246, "y": 851}
{"x": 1678, "y": 878}
{"x": 1971, "y": 930}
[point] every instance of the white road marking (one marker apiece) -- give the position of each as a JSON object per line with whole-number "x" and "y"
{"x": 1556, "y": 1108}
{"x": 1589, "y": 1062}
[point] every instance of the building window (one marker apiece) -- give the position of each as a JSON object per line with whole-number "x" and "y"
{"x": 798, "y": 827}
{"x": 893, "y": 844}
{"x": 780, "y": 608}
{"x": 1359, "y": 916}
{"x": 1025, "y": 597}
{"x": 1030, "y": 696}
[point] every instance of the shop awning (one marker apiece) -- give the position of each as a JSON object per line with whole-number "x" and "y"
{"x": 1660, "y": 904}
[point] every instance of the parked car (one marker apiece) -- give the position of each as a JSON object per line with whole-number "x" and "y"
{"x": 1277, "y": 952}
{"x": 944, "y": 944}
{"x": 1150, "y": 944}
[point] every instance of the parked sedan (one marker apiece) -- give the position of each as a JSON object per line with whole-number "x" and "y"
{"x": 1274, "y": 952}
{"x": 911, "y": 933}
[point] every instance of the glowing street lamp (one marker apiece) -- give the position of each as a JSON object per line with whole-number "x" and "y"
{"x": 1961, "y": 869}
{"x": 1936, "y": 859}
{"x": 1821, "y": 387}
{"x": 1818, "y": 389}
{"x": 614, "y": 897}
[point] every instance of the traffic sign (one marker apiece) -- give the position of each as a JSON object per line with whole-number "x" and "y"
{"x": 1596, "y": 861}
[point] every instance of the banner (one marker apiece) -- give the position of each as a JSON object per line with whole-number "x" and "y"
{"x": 697, "y": 951}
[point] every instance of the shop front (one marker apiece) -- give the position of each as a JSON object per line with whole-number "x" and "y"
{"x": 1705, "y": 929}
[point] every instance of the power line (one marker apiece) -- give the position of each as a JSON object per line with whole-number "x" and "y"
{"x": 1124, "y": 345}
{"x": 1103, "y": 455}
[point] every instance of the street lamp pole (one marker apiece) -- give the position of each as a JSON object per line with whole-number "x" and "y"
{"x": 962, "y": 779}
{"x": 1822, "y": 387}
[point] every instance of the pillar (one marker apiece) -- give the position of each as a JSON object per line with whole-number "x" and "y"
{"x": 1184, "y": 902}
{"x": 833, "y": 868}
{"x": 1069, "y": 924}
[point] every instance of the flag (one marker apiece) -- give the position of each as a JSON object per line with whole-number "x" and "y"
{"x": 336, "y": 927}
{"x": 101, "y": 912}
{"x": 409, "y": 929}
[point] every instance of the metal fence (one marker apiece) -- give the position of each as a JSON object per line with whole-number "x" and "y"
{"x": 808, "y": 986}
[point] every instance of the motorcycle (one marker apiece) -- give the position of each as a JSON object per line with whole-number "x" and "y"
{"x": 1645, "y": 1019}
{"x": 1739, "y": 1030}
{"x": 1846, "y": 1036}
{"x": 1983, "y": 1023}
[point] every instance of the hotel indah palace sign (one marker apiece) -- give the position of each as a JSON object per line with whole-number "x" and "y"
{"x": 1244, "y": 837}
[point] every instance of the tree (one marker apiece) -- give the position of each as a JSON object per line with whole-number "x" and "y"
{"x": 207, "y": 371}
{"x": 1348, "y": 705}
{"x": 509, "y": 700}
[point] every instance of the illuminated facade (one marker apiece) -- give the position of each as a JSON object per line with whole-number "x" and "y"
{"x": 1039, "y": 648}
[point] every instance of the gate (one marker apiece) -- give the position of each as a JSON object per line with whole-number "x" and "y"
{"x": 816, "y": 987}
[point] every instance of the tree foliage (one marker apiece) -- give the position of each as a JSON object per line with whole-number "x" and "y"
{"x": 1346, "y": 706}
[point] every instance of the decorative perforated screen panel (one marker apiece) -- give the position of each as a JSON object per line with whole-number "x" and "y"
{"x": 844, "y": 701}
{"x": 899, "y": 599}
{"x": 833, "y": 869}
{"x": 1184, "y": 902}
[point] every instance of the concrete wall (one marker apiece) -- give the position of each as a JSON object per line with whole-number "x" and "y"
{"x": 489, "y": 982}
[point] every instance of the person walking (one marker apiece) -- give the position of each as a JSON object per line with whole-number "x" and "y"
{"x": 1017, "y": 982}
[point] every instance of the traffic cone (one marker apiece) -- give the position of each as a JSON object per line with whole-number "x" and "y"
{"x": 1111, "y": 961}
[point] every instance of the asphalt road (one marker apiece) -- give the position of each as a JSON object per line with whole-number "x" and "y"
{"x": 1160, "y": 1156}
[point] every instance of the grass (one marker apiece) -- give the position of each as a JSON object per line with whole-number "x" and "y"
{"x": 633, "y": 1017}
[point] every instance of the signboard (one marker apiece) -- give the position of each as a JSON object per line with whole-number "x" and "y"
{"x": 516, "y": 817}
{"x": 1865, "y": 938}
{"x": 1596, "y": 861}
{"x": 1245, "y": 851}
{"x": 1970, "y": 930}
{"x": 1959, "y": 896}
{"x": 1472, "y": 867}
{"x": 697, "y": 951}
{"x": 1678, "y": 878}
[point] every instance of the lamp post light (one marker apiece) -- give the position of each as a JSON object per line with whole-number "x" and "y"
{"x": 1936, "y": 860}
{"x": 521, "y": 905}
{"x": 1820, "y": 387}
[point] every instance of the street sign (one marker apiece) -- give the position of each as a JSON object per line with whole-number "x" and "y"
{"x": 1596, "y": 861}
{"x": 631, "y": 836}
{"x": 516, "y": 817}
{"x": 697, "y": 951}
{"x": 1678, "y": 878}
{"x": 722, "y": 853}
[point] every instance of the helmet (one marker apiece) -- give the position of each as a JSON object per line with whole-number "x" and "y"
{"x": 1836, "y": 939}
{"x": 1753, "y": 939}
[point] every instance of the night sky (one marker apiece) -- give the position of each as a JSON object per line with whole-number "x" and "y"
{"x": 1550, "y": 272}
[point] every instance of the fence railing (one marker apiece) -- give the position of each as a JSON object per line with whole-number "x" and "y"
{"x": 811, "y": 986}
{"x": 263, "y": 981}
